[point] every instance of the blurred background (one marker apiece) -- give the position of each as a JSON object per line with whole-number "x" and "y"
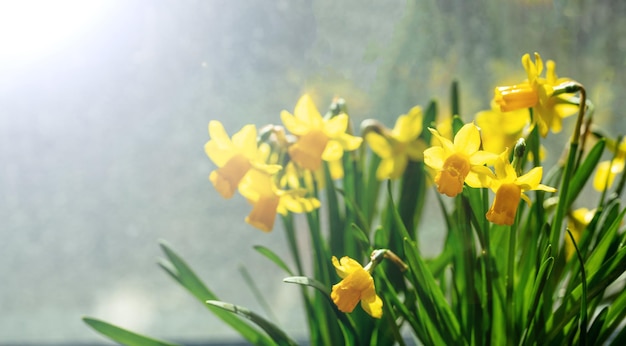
{"x": 104, "y": 107}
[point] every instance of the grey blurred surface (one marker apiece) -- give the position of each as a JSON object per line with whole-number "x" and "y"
{"x": 101, "y": 138}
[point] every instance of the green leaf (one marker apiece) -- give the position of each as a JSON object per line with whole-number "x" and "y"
{"x": 582, "y": 174}
{"x": 597, "y": 326}
{"x": 123, "y": 336}
{"x": 540, "y": 283}
{"x": 272, "y": 330}
{"x": 181, "y": 272}
{"x": 614, "y": 319}
{"x": 348, "y": 327}
{"x": 431, "y": 297}
{"x": 599, "y": 253}
{"x": 360, "y": 236}
{"x": 583, "y": 304}
{"x": 303, "y": 280}
{"x": 272, "y": 256}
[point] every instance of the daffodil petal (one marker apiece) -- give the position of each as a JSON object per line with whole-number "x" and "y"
{"x": 333, "y": 151}
{"x": 345, "y": 266}
{"x": 218, "y": 134}
{"x": 408, "y": 126}
{"x": 467, "y": 140}
{"x": 307, "y": 113}
{"x": 530, "y": 180}
{"x": 378, "y": 144}
{"x": 479, "y": 176}
{"x": 246, "y": 140}
{"x": 482, "y": 157}
{"x": 603, "y": 179}
{"x": 292, "y": 124}
{"x": 435, "y": 157}
{"x": 349, "y": 142}
{"x": 336, "y": 125}
{"x": 373, "y": 305}
{"x": 444, "y": 142}
{"x": 385, "y": 168}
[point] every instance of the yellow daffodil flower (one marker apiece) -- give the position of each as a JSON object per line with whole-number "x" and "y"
{"x": 357, "y": 285}
{"x": 234, "y": 158}
{"x": 259, "y": 188}
{"x": 577, "y": 222}
{"x": 608, "y": 170}
{"x": 318, "y": 138}
{"x": 510, "y": 188}
{"x": 500, "y": 130}
{"x": 459, "y": 161}
{"x": 398, "y": 146}
{"x": 536, "y": 93}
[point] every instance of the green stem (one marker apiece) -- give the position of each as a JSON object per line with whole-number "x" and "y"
{"x": 486, "y": 253}
{"x": 510, "y": 282}
{"x": 555, "y": 234}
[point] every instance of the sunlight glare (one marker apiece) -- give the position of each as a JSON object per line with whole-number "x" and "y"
{"x": 33, "y": 29}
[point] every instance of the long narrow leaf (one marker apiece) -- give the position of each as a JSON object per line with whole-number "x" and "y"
{"x": 181, "y": 272}
{"x": 350, "y": 333}
{"x": 272, "y": 256}
{"x": 582, "y": 174}
{"x": 123, "y": 336}
{"x": 272, "y": 330}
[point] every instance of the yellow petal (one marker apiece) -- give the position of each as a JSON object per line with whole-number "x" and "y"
{"x": 378, "y": 144}
{"x": 479, "y": 176}
{"x": 256, "y": 184}
{"x": 385, "y": 168}
{"x": 298, "y": 204}
{"x": 530, "y": 180}
{"x": 218, "y": 134}
{"x": 399, "y": 165}
{"x": 219, "y": 155}
{"x": 445, "y": 143}
{"x": 564, "y": 110}
{"x": 603, "y": 178}
{"x": 292, "y": 124}
{"x": 333, "y": 151}
{"x": 373, "y": 305}
{"x": 307, "y": 113}
{"x": 336, "y": 169}
{"x": 500, "y": 165}
{"x": 408, "y": 126}
{"x": 531, "y": 72}
{"x": 345, "y": 266}
{"x": 467, "y": 140}
{"x": 336, "y": 125}
{"x": 482, "y": 157}
{"x": 434, "y": 157}
{"x": 538, "y": 63}
{"x": 349, "y": 142}
{"x": 246, "y": 141}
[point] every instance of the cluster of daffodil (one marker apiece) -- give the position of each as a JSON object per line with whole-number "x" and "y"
{"x": 509, "y": 272}
{"x": 259, "y": 171}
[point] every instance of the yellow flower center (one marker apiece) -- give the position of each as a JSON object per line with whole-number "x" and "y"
{"x": 348, "y": 292}
{"x": 451, "y": 177}
{"x": 227, "y": 178}
{"x": 516, "y": 97}
{"x": 307, "y": 151}
{"x": 263, "y": 213}
{"x": 504, "y": 207}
